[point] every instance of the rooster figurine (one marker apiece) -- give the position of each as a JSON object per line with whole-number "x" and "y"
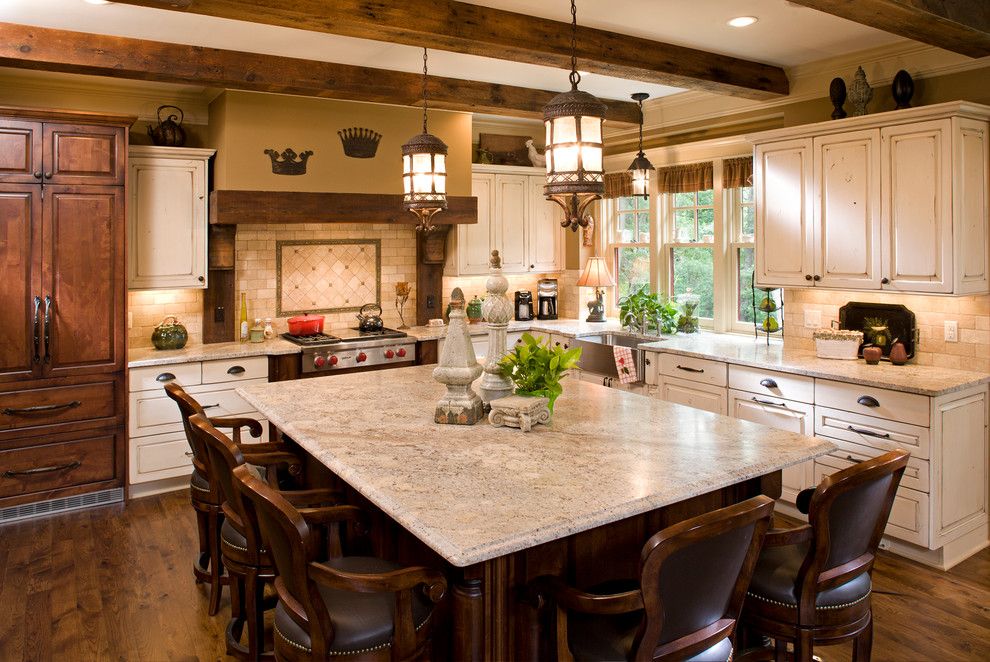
{"x": 535, "y": 157}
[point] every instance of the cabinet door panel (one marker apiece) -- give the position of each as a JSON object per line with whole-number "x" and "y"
{"x": 20, "y": 255}
{"x": 692, "y": 394}
{"x": 84, "y": 276}
{"x": 20, "y": 151}
{"x": 167, "y": 223}
{"x": 84, "y": 154}
{"x": 971, "y": 150}
{"x": 474, "y": 242}
{"x": 784, "y": 225}
{"x": 545, "y": 234}
{"x": 847, "y": 209}
{"x": 511, "y": 217}
{"x": 917, "y": 207}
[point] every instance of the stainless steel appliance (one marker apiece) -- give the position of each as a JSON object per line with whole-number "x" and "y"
{"x": 546, "y": 292}
{"x": 524, "y": 306}
{"x": 354, "y": 350}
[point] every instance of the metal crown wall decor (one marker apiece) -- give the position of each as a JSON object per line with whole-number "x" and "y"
{"x": 359, "y": 143}
{"x": 286, "y": 163}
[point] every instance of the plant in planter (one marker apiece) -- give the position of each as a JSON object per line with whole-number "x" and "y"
{"x": 536, "y": 369}
{"x": 644, "y": 310}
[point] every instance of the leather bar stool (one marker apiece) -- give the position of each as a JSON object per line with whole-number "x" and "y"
{"x": 345, "y": 607}
{"x": 693, "y": 579}
{"x": 812, "y": 583}
{"x": 207, "y": 499}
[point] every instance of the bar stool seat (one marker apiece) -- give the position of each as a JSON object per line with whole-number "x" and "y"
{"x": 775, "y": 581}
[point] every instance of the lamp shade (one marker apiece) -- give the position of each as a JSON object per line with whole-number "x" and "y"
{"x": 596, "y": 274}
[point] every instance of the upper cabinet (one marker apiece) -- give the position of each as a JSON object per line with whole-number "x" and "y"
{"x": 56, "y": 153}
{"x": 167, "y": 217}
{"x": 895, "y": 201}
{"x": 513, "y": 218}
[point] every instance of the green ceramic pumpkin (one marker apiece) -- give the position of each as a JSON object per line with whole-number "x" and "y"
{"x": 170, "y": 334}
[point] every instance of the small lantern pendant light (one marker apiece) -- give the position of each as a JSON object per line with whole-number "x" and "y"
{"x": 575, "y": 173}
{"x": 424, "y": 172}
{"x": 641, "y": 166}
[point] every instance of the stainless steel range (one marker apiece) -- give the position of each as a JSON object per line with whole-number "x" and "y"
{"x": 353, "y": 349}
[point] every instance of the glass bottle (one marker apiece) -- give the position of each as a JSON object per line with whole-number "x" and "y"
{"x": 244, "y": 318}
{"x": 269, "y": 329}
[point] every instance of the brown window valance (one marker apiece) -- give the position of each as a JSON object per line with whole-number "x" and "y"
{"x": 685, "y": 178}
{"x": 618, "y": 184}
{"x": 737, "y": 172}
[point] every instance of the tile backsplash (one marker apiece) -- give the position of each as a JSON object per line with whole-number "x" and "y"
{"x": 147, "y": 308}
{"x": 972, "y": 314}
{"x": 567, "y": 291}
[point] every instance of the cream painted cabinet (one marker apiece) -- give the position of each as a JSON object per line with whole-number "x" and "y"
{"x": 513, "y": 218}
{"x": 894, "y": 201}
{"x": 167, "y": 217}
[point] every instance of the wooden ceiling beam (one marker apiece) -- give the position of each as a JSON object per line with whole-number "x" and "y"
{"x": 960, "y": 26}
{"x": 45, "y": 49}
{"x": 478, "y": 30}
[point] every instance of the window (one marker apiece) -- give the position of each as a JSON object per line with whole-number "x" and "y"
{"x": 689, "y": 250}
{"x": 630, "y": 244}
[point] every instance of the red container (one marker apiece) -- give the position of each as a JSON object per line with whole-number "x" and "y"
{"x": 306, "y": 325}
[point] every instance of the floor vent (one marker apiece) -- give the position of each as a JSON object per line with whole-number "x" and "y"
{"x": 54, "y": 506}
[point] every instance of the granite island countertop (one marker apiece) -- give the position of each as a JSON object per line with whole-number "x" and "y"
{"x": 474, "y": 493}
{"x": 742, "y": 350}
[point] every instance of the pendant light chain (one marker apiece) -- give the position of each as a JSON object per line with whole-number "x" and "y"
{"x": 425, "y": 103}
{"x": 641, "y": 125}
{"x": 575, "y": 77}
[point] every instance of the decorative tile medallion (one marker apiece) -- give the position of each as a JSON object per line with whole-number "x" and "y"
{"x": 327, "y": 275}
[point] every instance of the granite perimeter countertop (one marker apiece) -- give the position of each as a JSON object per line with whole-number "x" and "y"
{"x": 562, "y": 327}
{"x": 742, "y": 350}
{"x": 474, "y": 493}
{"x": 145, "y": 356}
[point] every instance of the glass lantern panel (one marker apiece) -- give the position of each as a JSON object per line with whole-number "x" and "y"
{"x": 440, "y": 181}
{"x": 547, "y": 124}
{"x": 591, "y": 130}
{"x": 591, "y": 157}
{"x": 422, "y": 183}
{"x": 439, "y": 163}
{"x": 564, "y": 130}
{"x": 422, "y": 163}
{"x": 566, "y": 159}
{"x": 549, "y": 155}
{"x": 640, "y": 182}
{"x": 406, "y": 184}
{"x": 405, "y": 163}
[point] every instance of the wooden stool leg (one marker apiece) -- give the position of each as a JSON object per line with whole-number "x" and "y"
{"x": 863, "y": 644}
{"x": 254, "y": 613}
{"x": 779, "y": 650}
{"x": 803, "y": 646}
{"x": 216, "y": 564}
{"x": 201, "y": 566}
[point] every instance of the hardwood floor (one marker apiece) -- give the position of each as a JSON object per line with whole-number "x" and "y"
{"x": 115, "y": 583}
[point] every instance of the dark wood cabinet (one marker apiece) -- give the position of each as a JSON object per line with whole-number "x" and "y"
{"x": 63, "y": 292}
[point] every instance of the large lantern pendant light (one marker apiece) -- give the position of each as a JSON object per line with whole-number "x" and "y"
{"x": 575, "y": 173}
{"x": 641, "y": 166}
{"x": 424, "y": 171}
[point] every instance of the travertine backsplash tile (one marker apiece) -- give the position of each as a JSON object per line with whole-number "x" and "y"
{"x": 567, "y": 292}
{"x": 149, "y": 307}
{"x": 972, "y": 314}
{"x": 326, "y": 276}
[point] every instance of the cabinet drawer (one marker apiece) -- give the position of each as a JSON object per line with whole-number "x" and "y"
{"x": 703, "y": 371}
{"x": 879, "y": 402}
{"x": 53, "y": 466}
{"x": 873, "y": 432}
{"x": 235, "y": 370}
{"x": 916, "y": 474}
{"x": 59, "y": 404}
{"x": 772, "y": 383}
{"x": 154, "y": 377}
{"x": 909, "y": 519}
{"x": 154, "y": 412}
{"x": 692, "y": 394}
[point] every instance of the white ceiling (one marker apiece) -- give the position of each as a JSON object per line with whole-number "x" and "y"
{"x": 785, "y": 35}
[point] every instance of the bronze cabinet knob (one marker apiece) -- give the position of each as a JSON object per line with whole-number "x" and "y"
{"x": 807, "y": 276}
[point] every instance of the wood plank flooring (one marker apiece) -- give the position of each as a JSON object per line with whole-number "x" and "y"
{"x": 115, "y": 583}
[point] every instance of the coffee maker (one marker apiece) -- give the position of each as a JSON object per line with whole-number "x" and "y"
{"x": 546, "y": 291}
{"x": 524, "y": 306}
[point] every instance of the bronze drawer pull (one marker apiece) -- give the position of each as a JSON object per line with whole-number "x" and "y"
{"x": 48, "y": 324}
{"x": 165, "y": 377}
{"x": 43, "y": 470}
{"x": 782, "y": 405}
{"x": 211, "y": 406}
{"x": 37, "y": 331}
{"x": 852, "y": 459}
{"x": 686, "y": 369}
{"x": 236, "y": 370}
{"x": 868, "y": 401}
{"x": 14, "y": 411}
{"x": 188, "y": 453}
{"x": 868, "y": 433}
{"x": 768, "y": 383}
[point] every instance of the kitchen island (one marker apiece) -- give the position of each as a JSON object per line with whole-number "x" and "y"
{"x": 496, "y": 507}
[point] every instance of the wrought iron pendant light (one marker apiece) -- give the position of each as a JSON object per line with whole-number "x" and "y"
{"x": 641, "y": 166}
{"x": 424, "y": 171}
{"x": 575, "y": 173}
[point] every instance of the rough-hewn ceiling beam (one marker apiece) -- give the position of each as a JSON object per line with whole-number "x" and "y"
{"x": 960, "y": 26}
{"x": 477, "y": 30}
{"x": 45, "y": 49}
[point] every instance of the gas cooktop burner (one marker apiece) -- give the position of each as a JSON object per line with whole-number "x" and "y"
{"x": 382, "y": 333}
{"x": 312, "y": 339}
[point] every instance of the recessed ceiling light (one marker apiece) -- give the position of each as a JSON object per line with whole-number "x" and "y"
{"x": 742, "y": 21}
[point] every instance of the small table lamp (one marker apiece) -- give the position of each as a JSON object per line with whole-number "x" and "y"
{"x": 596, "y": 275}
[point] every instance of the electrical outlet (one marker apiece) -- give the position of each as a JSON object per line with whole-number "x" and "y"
{"x": 431, "y": 301}
{"x": 951, "y": 331}
{"x": 130, "y": 320}
{"x": 813, "y": 319}
{"x": 218, "y": 315}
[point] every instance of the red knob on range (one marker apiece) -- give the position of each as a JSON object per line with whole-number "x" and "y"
{"x": 389, "y": 353}
{"x": 401, "y": 353}
{"x": 362, "y": 357}
{"x": 333, "y": 360}
{"x": 319, "y": 361}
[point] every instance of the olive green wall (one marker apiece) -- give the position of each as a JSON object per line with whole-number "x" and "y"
{"x": 244, "y": 124}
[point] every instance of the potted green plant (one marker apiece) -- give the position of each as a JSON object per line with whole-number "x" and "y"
{"x": 536, "y": 368}
{"x": 644, "y": 310}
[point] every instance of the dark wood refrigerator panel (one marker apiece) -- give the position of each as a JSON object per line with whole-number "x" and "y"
{"x": 20, "y": 284}
{"x": 81, "y": 154}
{"x": 20, "y": 151}
{"x": 84, "y": 282}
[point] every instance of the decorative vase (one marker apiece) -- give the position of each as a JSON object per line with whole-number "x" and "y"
{"x": 170, "y": 334}
{"x": 860, "y": 93}
{"x": 902, "y": 89}
{"x": 497, "y": 311}
{"x": 872, "y": 354}
{"x": 837, "y": 94}
{"x": 457, "y": 370}
{"x": 898, "y": 354}
{"x": 474, "y": 310}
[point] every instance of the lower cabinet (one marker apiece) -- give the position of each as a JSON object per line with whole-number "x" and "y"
{"x": 57, "y": 464}
{"x": 693, "y": 394}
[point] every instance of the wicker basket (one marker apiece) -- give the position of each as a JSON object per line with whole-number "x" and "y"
{"x": 834, "y": 344}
